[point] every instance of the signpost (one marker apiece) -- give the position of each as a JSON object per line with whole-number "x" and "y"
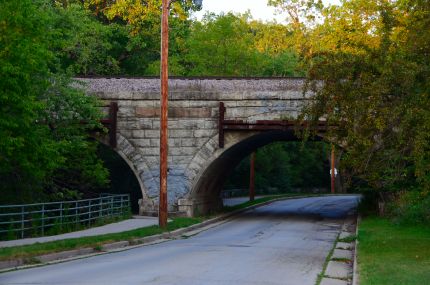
{"x": 333, "y": 171}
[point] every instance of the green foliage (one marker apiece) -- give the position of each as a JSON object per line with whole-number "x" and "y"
{"x": 285, "y": 166}
{"x": 84, "y": 45}
{"x": 44, "y": 144}
{"x": 27, "y": 154}
{"x": 101, "y": 37}
{"x": 410, "y": 208}
{"x": 229, "y": 45}
{"x": 142, "y": 21}
{"x": 375, "y": 87}
{"x": 222, "y": 45}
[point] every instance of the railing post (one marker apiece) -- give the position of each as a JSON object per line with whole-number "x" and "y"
{"x": 61, "y": 215}
{"x": 122, "y": 206}
{"x": 22, "y": 222}
{"x": 76, "y": 213}
{"x": 100, "y": 207}
{"x": 89, "y": 212}
{"x": 111, "y": 206}
{"x": 43, "y": 219}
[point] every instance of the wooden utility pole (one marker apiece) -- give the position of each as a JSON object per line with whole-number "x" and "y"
{"x": 162, "y": 206}
{"x": 332, "y": 172}
{"x": 252, "y": 177}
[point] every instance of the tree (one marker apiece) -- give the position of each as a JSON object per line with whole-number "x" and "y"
{"x": 285, "y": 166}
{"x": 369, "y": 69}
{"x": 142, "y": 20}
{"x": 84, "y": 45}
{"x": 236, "y": 45}
{"x": 40, "y": 114}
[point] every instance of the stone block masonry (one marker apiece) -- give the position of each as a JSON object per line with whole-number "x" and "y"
{"x": 194, "y": 154}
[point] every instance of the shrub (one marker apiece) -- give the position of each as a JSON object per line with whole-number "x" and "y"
{"x": 411, "y": 207}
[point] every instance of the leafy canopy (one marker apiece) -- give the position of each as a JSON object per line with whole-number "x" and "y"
{"x": 44, "y": 146}
{"x": 372, "y": 59}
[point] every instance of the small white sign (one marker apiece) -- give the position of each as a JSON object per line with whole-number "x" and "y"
{"x": 335, "y": 172}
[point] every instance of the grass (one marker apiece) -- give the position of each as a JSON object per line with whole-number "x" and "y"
{"x": 349, "y": 239}
{"x": 392, "y": 254}
{"x": 30, "y": 251}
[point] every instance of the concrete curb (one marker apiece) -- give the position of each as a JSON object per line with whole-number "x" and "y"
{"x": 69, "y": 255}
{"x": 337, "y": 272}
{"x": 355, "y": 271}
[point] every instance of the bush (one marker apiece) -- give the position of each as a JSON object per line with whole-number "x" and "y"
{"x": 410, "y": 208}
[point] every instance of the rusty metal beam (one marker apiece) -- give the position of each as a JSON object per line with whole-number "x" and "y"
{"x": 111, "y": 123}
{"x": 261, "y": 125}
{"x": 221, "y": 123}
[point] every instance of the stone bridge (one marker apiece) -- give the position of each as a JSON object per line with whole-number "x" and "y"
{"x": 213, "y": 125}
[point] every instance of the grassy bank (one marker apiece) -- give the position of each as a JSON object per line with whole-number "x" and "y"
{"x": 393, "y": 254}
{"x": 28, "y": 251}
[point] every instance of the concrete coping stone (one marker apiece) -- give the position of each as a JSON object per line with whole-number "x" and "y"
{"x": 345, "y": 245}
{"x": 342, "y": 254}
{"x": 345, "y": 235}
{"x": 331, "y": 281}
{"x": 114, "y": 245}
{"x": 64, "y": 254}
{"x": 337, "y": 269}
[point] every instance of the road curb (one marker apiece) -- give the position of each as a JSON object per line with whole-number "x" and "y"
{"x": 338, "y": 270}
{"x": 63, "y": 256}
{"x": 355, "y": 271}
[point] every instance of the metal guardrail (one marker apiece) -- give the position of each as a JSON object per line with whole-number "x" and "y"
{"x": 25, "y": 220}
{"x": 230, "y": 193}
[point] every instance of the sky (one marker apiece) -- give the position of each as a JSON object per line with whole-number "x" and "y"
{"x": 258, "y": 8}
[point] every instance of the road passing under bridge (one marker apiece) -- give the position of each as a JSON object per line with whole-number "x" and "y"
{"x": 285, "y": 242}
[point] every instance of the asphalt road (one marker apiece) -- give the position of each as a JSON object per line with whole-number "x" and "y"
{"x": 285, "y": 243}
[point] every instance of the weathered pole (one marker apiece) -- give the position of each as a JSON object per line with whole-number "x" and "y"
{"x": 332, "y": 172}
{"x": 162, "y": 206}
{"x": 252, "y": 177}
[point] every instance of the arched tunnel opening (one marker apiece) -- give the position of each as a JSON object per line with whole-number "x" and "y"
{"x": 224, "y": 171}
{"x": 283, "y": 167}
{"x": 122, "y": 177}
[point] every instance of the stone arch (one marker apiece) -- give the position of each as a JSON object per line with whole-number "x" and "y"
{"x": 138, "y": 166}
{"x": 211, "y": 166}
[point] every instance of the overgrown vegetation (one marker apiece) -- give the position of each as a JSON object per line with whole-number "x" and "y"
{"x": 44, "y": 148}
{"x": 369, "y": 67}
{"x": 285, "y": 167}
